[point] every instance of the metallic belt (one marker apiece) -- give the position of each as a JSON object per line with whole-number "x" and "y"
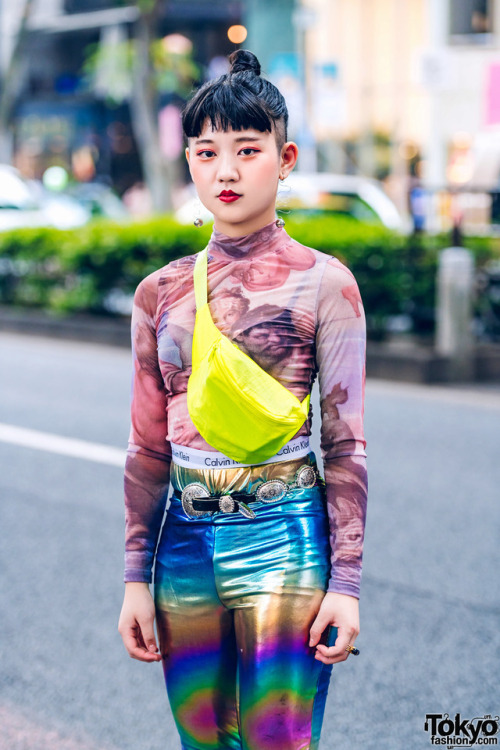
{"x": 197, "y": 501}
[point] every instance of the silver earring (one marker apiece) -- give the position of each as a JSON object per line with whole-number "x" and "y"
{"x": 280, "y": 223}
{"x": 198, "y": 221}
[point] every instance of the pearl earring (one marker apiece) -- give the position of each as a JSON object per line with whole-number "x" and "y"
{"x": 198, "y": 221}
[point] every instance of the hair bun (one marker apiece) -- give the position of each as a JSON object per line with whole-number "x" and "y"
{"x": 242, "y": 59}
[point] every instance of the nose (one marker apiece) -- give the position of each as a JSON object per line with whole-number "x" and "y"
{"x": 273, "y": 337}
{"x": 226, "y": 169}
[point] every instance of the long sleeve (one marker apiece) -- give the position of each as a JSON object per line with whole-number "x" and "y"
{"x": 340, "y": 358}
{"x": 147, "y": 466}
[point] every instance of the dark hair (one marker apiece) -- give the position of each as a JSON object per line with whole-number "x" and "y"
{"x": 239, "y": 99}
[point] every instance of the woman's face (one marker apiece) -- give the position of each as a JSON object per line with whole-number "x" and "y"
{"x": 236, "y": 176}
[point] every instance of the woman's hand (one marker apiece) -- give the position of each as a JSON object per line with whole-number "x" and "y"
{"x": 136, "y": 625}
{"x": 342, "y": 611}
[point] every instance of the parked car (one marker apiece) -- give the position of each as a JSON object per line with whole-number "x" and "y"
{"x": 100, "y": 200}
{"x": 26, "y": 203}
{"x": 323, "y": 193}
{"x": 312, "y": 194}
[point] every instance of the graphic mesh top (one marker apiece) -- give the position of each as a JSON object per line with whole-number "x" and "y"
{"x": 298, "y": 313}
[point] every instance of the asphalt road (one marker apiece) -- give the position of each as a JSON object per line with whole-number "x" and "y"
{"x": 430, "y": 607}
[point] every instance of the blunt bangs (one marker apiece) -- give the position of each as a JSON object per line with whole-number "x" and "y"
{"x": 231, "y": 103}
{"x": 226, "y": 109}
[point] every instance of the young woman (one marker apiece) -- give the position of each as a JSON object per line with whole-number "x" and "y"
{"x": 257, "y": 567}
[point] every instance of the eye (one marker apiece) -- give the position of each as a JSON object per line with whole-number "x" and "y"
{"x": 249, "y": 151}
{"x": 205, "y": 154}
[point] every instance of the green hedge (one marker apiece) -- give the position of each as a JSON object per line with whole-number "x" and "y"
{"x": 74, "y": 270}
{"x": 78, "y": 270}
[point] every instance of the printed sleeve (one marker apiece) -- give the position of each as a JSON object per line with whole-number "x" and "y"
{"x": 147, "y": 465}
{"x": 340, "y": 358}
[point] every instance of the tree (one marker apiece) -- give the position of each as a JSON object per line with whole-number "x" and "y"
{"x": 12, "y": 82}
{"x": 138, "y": 70}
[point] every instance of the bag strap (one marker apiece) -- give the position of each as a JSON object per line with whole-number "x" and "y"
{"x": 200, "y": 279}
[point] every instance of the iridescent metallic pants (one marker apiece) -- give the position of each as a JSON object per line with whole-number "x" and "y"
{"x": 235, "y": 600}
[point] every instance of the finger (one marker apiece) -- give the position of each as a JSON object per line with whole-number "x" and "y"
{"x": 142, "y": 655}
{"x": 148, "y": 635}
{"x": 317, "y": 628}
{"x": 149, "y": 653}
{"x": 136, "y": 648}
{"x": 338, "y": 650}
{"x": 329, "y": 659}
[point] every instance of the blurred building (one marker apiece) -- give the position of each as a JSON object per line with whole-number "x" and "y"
{"x": 405, "y": 90}
{"x": 58, "y": 118}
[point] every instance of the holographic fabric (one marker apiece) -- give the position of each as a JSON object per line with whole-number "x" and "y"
{"x": 239, "y": 479}
{"x": 298, "y": 313}
{"x": 235, "y": 599}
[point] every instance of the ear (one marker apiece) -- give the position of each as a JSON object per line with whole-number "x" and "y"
{"x": 289, "y": 155}
{"x": 186, "y": 153}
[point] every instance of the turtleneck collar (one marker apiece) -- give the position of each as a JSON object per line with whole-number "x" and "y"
{"x": 268, "y": 238}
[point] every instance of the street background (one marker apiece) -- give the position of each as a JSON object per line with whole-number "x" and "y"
{"x": 430, "y": 616}
{"x": 405, "y": 93}
{"x": 395, "y": 107}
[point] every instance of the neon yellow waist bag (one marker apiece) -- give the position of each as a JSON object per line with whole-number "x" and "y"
{"x": 237, "y": 407}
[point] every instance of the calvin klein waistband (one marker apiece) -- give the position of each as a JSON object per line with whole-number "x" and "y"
{"x": 192, "y": 458}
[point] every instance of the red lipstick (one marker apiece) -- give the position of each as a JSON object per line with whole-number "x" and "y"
{"x": 228, "y": 196}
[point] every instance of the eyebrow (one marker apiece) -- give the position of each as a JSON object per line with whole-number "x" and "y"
{"x": 240, "y": 139}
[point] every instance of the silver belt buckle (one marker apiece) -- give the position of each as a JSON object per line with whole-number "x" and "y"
{"x": 191, "y": 492}
{"x": 305, "y": 477}
{"x": 226, "y": 504}
{"x": 275, "y": 489}
{"x": 245, "y": 510}
{"x": 272, "y": 491}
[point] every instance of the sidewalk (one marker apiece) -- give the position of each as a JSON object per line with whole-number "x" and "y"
{"x": 416, "y": 363}
{"x": 96, "y": 329}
